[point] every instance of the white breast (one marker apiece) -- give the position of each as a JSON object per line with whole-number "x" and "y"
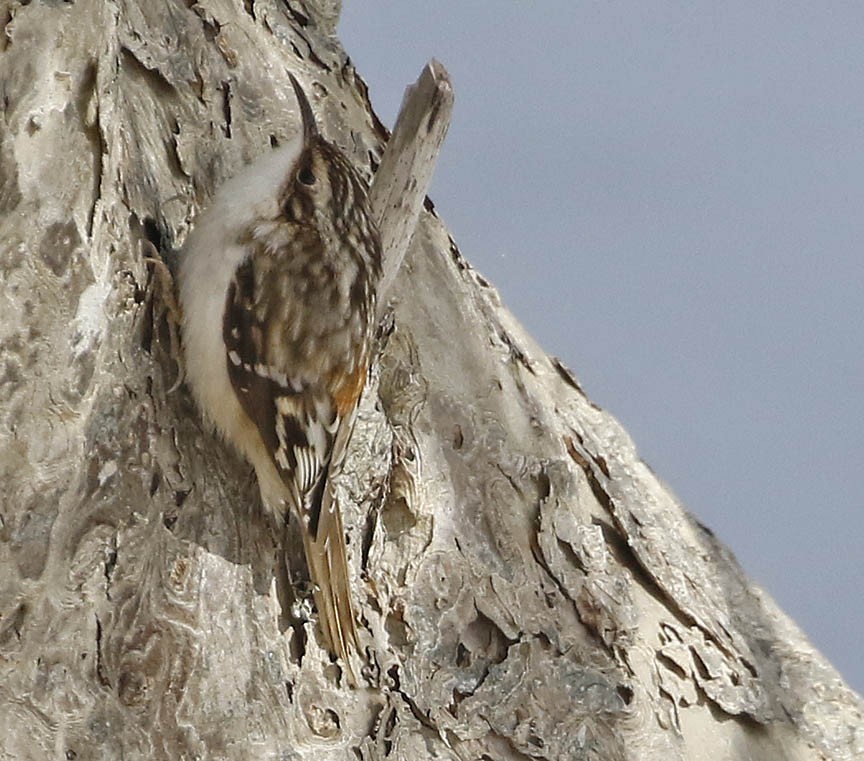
{"x": 208, "y": 261}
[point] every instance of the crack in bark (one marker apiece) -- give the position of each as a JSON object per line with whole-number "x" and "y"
{"x": 110, "y": 565}
{"x": 225, "y": 89}
{"x": 100, "y": 664}
{"x": 91, "y": 126}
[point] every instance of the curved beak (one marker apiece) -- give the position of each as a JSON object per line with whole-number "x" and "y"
{"x": 310, "y": 128}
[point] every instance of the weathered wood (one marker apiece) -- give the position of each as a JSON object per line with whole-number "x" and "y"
{"x": 402, "y": 179}
{"x": 527, "y": 587}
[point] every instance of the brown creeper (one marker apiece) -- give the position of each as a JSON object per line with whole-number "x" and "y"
{"x": 278, "y": 283}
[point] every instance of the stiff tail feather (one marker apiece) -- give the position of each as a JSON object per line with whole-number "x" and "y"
{"x": 328, "y": 571}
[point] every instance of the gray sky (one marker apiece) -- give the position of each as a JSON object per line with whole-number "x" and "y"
{"x": 670, "y": 196}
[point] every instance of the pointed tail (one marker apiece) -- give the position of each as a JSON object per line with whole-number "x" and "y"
{"x": 328, "y": 571}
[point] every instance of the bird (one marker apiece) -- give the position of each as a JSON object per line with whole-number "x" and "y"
{"x": 278, "y": 283}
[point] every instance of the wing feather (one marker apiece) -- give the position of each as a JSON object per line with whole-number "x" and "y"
{"x": 305, "y": 421}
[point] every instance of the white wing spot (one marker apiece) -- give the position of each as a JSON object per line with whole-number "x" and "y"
{"x": 285, "y": 405}
{"x": 281, "y": 459}
{"x": 234, "y": 357}
{"x": 317, "y": 437}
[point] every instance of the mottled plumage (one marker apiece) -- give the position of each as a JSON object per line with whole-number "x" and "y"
{"x": 298, "y": 275}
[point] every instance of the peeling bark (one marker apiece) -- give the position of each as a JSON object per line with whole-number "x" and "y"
{"x": 527, "y": 587}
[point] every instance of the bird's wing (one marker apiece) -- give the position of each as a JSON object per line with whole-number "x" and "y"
{"x": 305, "y": 422}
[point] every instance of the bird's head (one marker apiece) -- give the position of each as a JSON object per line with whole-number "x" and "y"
{"x": 305, "y": 190}
{"x": 320, "y": 184}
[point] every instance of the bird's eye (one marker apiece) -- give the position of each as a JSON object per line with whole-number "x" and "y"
{"x": 305, "y": 176}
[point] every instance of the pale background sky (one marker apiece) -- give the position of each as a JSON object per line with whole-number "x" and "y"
{"x": 670, "y": 196}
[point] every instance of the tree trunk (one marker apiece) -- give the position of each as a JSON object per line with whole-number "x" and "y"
{"x": 527, "y": 587}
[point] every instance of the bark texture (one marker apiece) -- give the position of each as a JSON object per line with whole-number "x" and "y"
{"x": 528, "y": 588}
